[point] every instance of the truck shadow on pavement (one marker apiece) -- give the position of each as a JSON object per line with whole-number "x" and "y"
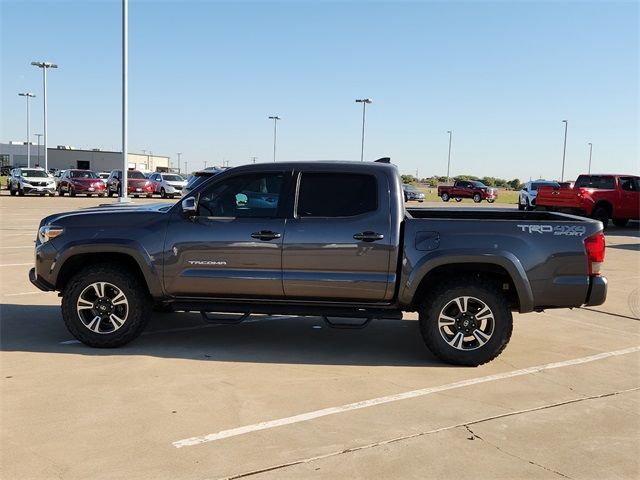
{"x": 288, "y": 340}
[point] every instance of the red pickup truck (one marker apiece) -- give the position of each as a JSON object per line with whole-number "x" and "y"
{"x": 467, "y": 189}
{"x": 602, "y": 197}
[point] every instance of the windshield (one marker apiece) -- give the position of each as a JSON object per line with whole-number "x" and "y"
{"x": 82, "y": 174}
{"x": 34, "y": 173}
{"x": 173, "y": 178}
{"x": 478, "y": 184}
{"x": 410, "y": 187}
{"x": 103, "y": 175}
{"x": 534, "y": 186}
{"x": 135, "y": 174}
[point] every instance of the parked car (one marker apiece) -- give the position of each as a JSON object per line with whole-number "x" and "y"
{"x": 78, "y": 181}
{"x": 200, "y": 177}
{"x": 24, "y": 181}
{"x": 167, "y": 184}
{"x": 529, "y": 192}
{"x": 412, "y": 193}
{"x": 57, "y": 175}
{"x": 269, "y": 238}
{"x": 104, "y": 176}
{"x": 137, "y": 183}
{"x": 603, "y": 197}
{"x": 478, "y": 191}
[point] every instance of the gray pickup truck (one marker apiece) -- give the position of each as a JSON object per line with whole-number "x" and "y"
{"x": 329, "y": 239}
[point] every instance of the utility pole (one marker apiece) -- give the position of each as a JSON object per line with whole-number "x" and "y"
{"x": 275, "y": 119}
{"x": 45, "y": 66}
{"x": 179, "y": 155}
{"x": 450, "y": 132}
{"x": 38, "y": 135}
{"x": 254, "y": 159}
{"x": 28, "y": 95}
{"x": 364, "y": 102}
{"x": 590, "y": 152}
{"x": 564, "y": 151}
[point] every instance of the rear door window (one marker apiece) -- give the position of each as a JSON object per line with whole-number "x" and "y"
{"x": 336, "y": 195}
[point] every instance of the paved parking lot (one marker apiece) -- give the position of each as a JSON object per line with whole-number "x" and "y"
{"x": 281, "y": 397}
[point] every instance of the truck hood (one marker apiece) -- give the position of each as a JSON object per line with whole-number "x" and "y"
{"x": 124, "y": 213}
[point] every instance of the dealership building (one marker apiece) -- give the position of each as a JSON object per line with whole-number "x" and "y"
{"x": 14, "y": 154}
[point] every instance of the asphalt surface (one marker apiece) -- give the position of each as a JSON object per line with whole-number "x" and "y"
{"x": 282, "y": 397}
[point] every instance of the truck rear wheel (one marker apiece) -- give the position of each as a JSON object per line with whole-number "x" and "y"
{"x": 105, "y": 306}
{"x": 466, "y": 322}
{"x": 445, "y": 197}
{"x": 602, "y": 214}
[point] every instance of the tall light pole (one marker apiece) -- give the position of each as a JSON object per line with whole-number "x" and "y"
{"x": 179, "y": 155}
{"x": 450, "y": 132}
{"x": 275, "y": 119}
{"x": 45, "y": 66}
{"x": 364, "y": 102}
{"x": 38, "y": 135}
{"x": 124, "y": 183}
{"x": 28, "y": 95}
{"x": 590, "y": 152}
{"x": 564, "y": 151}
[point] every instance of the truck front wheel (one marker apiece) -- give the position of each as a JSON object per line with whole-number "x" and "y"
{"x": 466, "y": 322}
{"x": 445, "y": 197}
{"x": 105, "y": 306}
{"x": 477, "y": 197}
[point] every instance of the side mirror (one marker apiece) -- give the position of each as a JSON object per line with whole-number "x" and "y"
{"x": 189, "y": 206}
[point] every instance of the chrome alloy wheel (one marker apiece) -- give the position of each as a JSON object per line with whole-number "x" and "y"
{"x": 466, "y": 323}
{"x": 102, "y": 307}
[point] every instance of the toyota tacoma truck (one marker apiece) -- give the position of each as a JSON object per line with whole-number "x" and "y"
{"x": 603, "y": 197}
{"x": 478, "y": 191}
{"x": 328, "y": 239}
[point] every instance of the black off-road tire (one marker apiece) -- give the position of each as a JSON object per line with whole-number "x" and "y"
{"x": 12, "y": 191}
{"x": 520, "y": 205}
{"x": 21, "y": 191}
{"x": 72, "y": 192}
{"x": 445, "y": 197}
{"x": 138, "y": 299}
{"x": 620, "y": 222}
{"x": 486, "y": 291}
{"x": 110, "y": 193}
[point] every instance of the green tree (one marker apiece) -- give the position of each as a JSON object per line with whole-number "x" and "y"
{"x": 408, "y": 179}
{"x": 515, "y": 184}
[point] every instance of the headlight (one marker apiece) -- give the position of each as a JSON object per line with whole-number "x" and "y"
{"x": 48, "y": 232}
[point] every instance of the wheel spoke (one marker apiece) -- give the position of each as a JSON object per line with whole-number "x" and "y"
{"x": 484, "y": 314}
{"x": 95, "y": 324}
{"x": 116, "y": 321}
{"x": 462, "y": 303}
{"x": 445, "y": 320}
{"x": 99, "y": 289}
{"x": 456, "y": 342}
{"x": 84, "y": 304}
{"x": 119, "y": 299}
{"x": 480, "y": 336}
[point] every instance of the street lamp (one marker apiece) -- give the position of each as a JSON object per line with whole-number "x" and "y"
{"x": 275, "y": 119}
{"x": 28, "y": 95}
{"x": 38, "y": 135}
{"x": 450, "y": 132}
{"x": 364, "y": 102}
{"x": 590, "y": 152}
{"x": 564, "y": 151}
{"x": 179, "y": 155}
{"x": 45, "y": 66}
{"x": 124, "y": 184}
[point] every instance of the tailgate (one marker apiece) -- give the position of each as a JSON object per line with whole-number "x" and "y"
{"x": 557, "y": 197}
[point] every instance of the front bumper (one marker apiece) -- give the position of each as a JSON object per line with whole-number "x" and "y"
{"x": 597, "y": 291}
{"x": 39, "y": 189}
{"x": 40, "y": 282}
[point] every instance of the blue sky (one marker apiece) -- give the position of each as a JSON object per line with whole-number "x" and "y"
{"x": 204, "y": 76}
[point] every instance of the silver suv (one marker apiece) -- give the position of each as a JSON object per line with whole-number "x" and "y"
{"x": 31, "y": 180}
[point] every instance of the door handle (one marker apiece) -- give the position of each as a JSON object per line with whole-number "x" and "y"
{"x": 368, "y": 236}
{"x": 265, "y": 235}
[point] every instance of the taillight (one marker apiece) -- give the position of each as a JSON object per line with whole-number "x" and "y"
{"x": 595, "y": 246}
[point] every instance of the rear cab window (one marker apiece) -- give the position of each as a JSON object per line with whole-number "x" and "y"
{"x": 603, "y": 182}
{"x": 330, "y": 195}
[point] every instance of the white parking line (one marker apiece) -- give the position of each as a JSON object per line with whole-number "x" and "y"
{"x": 212, "y": 437}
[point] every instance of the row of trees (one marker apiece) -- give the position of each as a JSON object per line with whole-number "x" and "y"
{"x": 434, "y": 181}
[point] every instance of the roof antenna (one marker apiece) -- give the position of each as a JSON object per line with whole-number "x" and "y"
{"x": 383, "y": 160}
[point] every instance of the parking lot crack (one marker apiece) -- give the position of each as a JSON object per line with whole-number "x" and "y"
{"x": 531, "y": 462}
